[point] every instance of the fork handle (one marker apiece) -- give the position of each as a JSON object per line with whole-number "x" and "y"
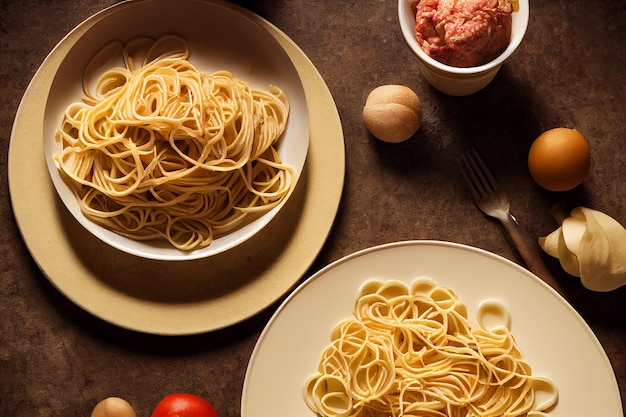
{"x": 531, "y": 258}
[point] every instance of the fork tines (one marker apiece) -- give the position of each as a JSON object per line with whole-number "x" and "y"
{"x": 479, "y": 178}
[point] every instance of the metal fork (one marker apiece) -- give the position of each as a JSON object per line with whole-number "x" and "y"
{"x": 494, "y": 202}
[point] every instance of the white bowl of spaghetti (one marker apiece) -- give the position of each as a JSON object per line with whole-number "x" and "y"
{"x": 169, "y": 141}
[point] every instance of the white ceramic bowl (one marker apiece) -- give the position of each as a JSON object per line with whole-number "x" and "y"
{"x": 249, "y": 51}
{"x": 456, "y": 81}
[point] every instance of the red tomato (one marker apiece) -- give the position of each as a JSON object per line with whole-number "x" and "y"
{"x": 184, "y": 405}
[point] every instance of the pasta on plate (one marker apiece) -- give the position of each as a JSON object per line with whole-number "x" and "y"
{"x": 160, "y": 150}
{"x": 411, "y": 352}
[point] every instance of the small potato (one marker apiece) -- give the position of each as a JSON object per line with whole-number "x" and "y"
{"x": 392, "y": 113}
{"x": 113, "y": 407}
{"x": 393, "y": 93}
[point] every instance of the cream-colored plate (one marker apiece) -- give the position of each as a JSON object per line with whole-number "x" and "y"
{"x": 176, "y": 298}
{"x": 249, "y": 52}
{"x": 555, "y": 340}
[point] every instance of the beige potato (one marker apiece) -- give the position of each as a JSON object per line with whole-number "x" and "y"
{"x": 392, "y": 113}
{"x": 113, "y": 407}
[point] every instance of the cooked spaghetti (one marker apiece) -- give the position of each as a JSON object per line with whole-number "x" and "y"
{"x": 160, "y": 150}
{"x": 411, "y": 352}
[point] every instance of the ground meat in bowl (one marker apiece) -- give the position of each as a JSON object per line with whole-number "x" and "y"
{"x": 463, "y": 33}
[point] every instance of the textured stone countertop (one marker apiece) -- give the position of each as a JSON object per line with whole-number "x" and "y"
{"x": 57, "y": 360}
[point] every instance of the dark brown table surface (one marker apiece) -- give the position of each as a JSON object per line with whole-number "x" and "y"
{"x": 56, "y": 360}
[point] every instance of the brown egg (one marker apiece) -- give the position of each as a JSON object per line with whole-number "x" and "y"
{"x": 559, "y": 159}
{"x": 392, "y": 113}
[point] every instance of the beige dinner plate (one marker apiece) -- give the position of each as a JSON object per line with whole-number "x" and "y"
{"x": 176, "y": 298}
{"x": 554, "y": 339}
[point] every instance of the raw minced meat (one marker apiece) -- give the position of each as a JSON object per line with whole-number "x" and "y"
{"x": 463, "y": 33}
